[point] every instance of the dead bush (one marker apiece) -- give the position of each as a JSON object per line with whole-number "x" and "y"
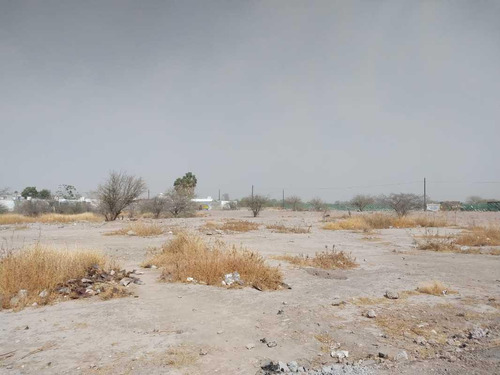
{"x": 231, "y": 226}
{"x": 384, "y": 221}
{"x": 436, "y": 288}
{"x": 328, "y": 259}
{"x": 138, "y": 228}
{"x": 188, "y": 256}
{"x": 42, "y": 268}
{"x": 280, "y": 228}
{"x": 8, "y": 219}
{"x": 480, "y": 236}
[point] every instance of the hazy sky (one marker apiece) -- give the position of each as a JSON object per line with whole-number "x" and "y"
{"x": 327, "y": 98}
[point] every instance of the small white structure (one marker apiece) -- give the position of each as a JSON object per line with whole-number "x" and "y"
{"x": 204, "y": 203}
{"x": 433, "y": 207}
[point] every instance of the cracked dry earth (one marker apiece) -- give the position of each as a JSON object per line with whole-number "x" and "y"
{"x": 194, "y": 329}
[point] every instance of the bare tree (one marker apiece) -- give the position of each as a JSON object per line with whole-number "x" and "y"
{"x": 294, "y": 202}
{"x": 178, "y": 201}
{"x": 403, "y": 203}
{"x": 118, "y": 192}
{"x": 474, "y": 199}
{"x": 255, "y": 203}
{"x": 156, "y": 206}
{"x": 362, "y": 201}
{"x": 318, "y": 204}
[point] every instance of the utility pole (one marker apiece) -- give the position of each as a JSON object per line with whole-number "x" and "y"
{"x": 425, "y": 195}
{"x": 148, "y": 194}
{"x": 252, "y": 193}
{"x": 283, "y": 198}
{"x": 219, "y": 195}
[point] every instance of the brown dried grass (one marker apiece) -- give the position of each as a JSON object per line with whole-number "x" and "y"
{"x": 231, "y": 226}
{"x": 384, "y": 221}
{"x": 480, "y": 236}
{"x": 188, "y": 255}
{"x": 328, "y": 259}
{"x": 7, "y": 219}
{"x": 43, "y": 268}
{"x": 140, "y": 229}
{"x": 280, "y": 228}
{"x": 435, "y": 288}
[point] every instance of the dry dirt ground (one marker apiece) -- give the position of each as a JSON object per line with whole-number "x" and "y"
{"x": 195, "y": 329}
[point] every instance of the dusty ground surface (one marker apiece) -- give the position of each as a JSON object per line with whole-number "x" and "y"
{"x": 164, "y": 327}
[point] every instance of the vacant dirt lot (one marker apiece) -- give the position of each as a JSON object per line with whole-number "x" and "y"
{"x": 196, "y": 329}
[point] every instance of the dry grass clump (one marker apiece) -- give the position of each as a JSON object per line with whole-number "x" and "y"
{"x": 328, "y": 260}
{"x": 384, "y": 221}
{"x": 188, "y": 256}
{"x": 138, "y": 229}
{"x": 480, "y": 236}
{"x": 435, "y": 288}
{"x": 231, "y": 226}
{"x": 43, "y": 268}
{"x": 7, "y": 219}
{"x": 327, "y": 341}
{"x": 280, "y": 228}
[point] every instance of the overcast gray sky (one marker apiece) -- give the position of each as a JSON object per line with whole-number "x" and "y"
{"x": 326, "y": 98}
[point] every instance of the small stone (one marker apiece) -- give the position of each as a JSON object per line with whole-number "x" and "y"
{"x": 338, "y": 302}
{"x": 131, "y": 233}
{"x": 401, "y": 356}
{"x": 371, "y": 314}
{"x": 112, "y": 272}
{"x": 283, "y": 367}
{"x": 340, "y": 355}
{"x": 125, "y": 281}
{"x": 86, "y": 281}
{"x": 420, "y": 340}
{"x": 64, "y": 290}
{"x": 250, "y": 346}
{"x": 154, "y": 267}
{"x": 383, "y": 354}
{"x": 203, "y": 352}
{"x": 272, "y": 344}
{"x": 23, "y": 293}
{"x": 280, "y": 311}
{"x": 293, "y": 366}
{"x": 138, "y": 282}
{"x": 220, "y": 332}
{"x": 14, "y": 301}
{"x": 391, "y": 294}
{"x": 189, "y": 279}
{"x": 478, "y": 333}
{"x": 464, "y": 248}
{"x": 43, "y": 294}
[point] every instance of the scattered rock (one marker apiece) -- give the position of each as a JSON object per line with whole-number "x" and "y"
{"x": 464, "y": 248}
{"x": 340, "y": 355}
{"x": 250, "y": 346}
{"x": 391, "y": 294}
{"x": 131, "y": 233}
{"x": 232, "y": 278}
{"x": 280, "y": 311}
{"x": 125, "y": 281}
{"x": 203, "y": 352}
{"x": 220, "y": 332}
{"x": 420, "y": 340}
{"x": 478, "y": 333}
{"x": 272, "y": 344}
{"x": 23, "y": 293}
{"x": 43, "y": 294}
{"x": 64, "y": 290}
{"x": 293, "y": 366}
{"x": 371, "y": 314}
{"x": 282, "y": 367}
{"x": 401, "y": 356}
{"x": 86, "y": 281}
{"x": 338, "y": 302}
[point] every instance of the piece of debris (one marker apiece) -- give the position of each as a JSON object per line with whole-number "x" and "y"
{"x": 250, "y": 346}
{"x": 232, "y": 278}
{"x": 203, "y": 352}
{"x": 125, "y": 281}
{"x": 272, "y": 344}
{"x": 43, "y": 294}
{"x": 338, "y": 302}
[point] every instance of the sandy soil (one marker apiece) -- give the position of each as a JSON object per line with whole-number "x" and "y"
{"x": 165, "y": 328}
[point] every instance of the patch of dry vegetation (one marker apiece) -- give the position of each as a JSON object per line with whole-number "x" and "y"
{"x": 6, "y": 219}
{"x": 42, "y": 268}
{"x": 328, "y": 260}
{"x": 327, "y": 341}
{"x": 480, "y": 236}
{"x": 138, "y": 229}
{"x": 188, "y": 256}
{"x": 435, "y": 288}
{"x": 384, "y": 221}
{"x": 465, "y": 243}
{"x": 231, "y": 226}
{"x": 280, "y": 228}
